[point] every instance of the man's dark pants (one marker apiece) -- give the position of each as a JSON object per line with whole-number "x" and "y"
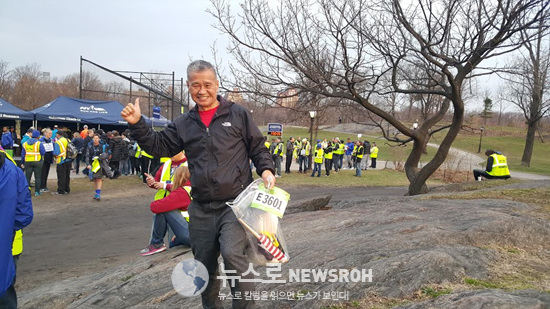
{"x": 64, "y": 177}
{"x": 288, "y": 162}
{"x": 36, "y": 168}
{"x": 486, "y": 175}
{"x": 9, "y": 299}
{"x": 214, "y": 230}
{"x": 46, "y": 171}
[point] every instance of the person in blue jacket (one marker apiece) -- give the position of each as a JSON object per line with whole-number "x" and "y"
{"x": 7, "y": 139}
{"x": 15, "y": 213}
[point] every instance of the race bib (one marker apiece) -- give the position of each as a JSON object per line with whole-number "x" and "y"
{"x": 273, "y": 201}
{"x": 48, "y": 147}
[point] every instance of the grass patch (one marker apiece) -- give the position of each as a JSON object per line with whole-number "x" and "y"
{"x": 434, "y": 292}
{"x": 539, "y": 198}
{"x": 481, "y": 283}
{"x": 346, "y": 178}
{"x": 127, "y": 277}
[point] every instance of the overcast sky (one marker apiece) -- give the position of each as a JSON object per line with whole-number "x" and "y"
{"x": 132, "y": 35}
{"x": 137, "y": 35}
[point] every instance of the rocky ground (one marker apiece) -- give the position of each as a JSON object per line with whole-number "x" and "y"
{"x": 437, "y": 253}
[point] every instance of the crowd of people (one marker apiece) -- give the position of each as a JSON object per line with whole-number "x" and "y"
{"x": 334, "y": 153}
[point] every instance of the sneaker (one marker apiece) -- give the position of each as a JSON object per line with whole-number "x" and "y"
{"x": 97, "y": 197}
{"x": 44, "y": 190}
{"x": 57, "y": 193}
{"x": 152, "y": 249}
{"x": 37, "y": 193}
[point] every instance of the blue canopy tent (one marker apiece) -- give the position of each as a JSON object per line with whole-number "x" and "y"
{"x": 66, "y": 109}
{"x": 8, "y": 111}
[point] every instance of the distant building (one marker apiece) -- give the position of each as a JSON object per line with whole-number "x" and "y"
{"x": 288, "y": 98}
{"x": 235, "y": 96}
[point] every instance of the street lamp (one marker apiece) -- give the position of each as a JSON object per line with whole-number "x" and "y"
{"x": 480, "y": 137}
{"x": 312, "y": 115}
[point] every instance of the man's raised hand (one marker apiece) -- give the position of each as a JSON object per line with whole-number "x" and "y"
{"x": 131, "y": 113}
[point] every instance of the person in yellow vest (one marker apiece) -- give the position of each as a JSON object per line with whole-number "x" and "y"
{"x": 304, "y": 156}
{"x": 32, "y": 154}
{"x": 373, "y": 155}
{"x": 338, "y": 154}
{"x": 147, "y": 163}
{"x": 297, "y": 146}
{"x": 318, "y": 160}
{"x": 328, "y": 150}
{"x": 163, "y": 183}
{"x": 278, "y": 151}
{"x": 15, "y": 214}
{"x": 267, "y": 143}
{"x": 497, "y": 167}
{"x": 63, "y": 162}
{"x": 359, "y": 152}
{"x": 95, "y": 153}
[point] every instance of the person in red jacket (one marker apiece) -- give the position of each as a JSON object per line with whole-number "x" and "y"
{"x": 166, "y": 200}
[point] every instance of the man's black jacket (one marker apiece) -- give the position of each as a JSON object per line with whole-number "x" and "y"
{"x": 218, "y": 156}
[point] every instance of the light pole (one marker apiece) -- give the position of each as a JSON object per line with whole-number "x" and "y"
{"x": 312, "y": 115}
{"x": 480, "y": 137}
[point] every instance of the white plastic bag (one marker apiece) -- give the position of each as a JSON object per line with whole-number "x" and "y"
{"x": 259, "y": 210}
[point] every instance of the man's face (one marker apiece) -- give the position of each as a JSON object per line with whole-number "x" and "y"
{"x": 96, "y": 140}
{"x": 48, "y": 134}
{"x": 203, "y": 87}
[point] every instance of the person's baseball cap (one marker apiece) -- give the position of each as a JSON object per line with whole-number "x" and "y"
{"x": 85, "y": 126}
{"x": 35, "y": 134}
{"x": 55, "y": 126}
{"x": 318, "y": 141}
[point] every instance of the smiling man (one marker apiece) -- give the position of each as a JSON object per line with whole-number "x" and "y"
{"x": 219, "y": 137}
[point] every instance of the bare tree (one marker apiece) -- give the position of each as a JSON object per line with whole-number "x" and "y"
{"x": 5, "y": 79}
{"x": 529, "y": 83}
{"x": 343, "y": 49}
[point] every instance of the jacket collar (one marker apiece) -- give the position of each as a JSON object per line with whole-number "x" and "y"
{"x": 223, "y": 108}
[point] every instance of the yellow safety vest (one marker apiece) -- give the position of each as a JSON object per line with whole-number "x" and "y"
{"x": 328, "y": 155}
{"x": 500, "y": 166}
{"x": 267, "y": 145}
{"x": 360, "y": 152}
{"x": 145, "y": 154}
{"x": 279, "y": 149}
{"x": 319, "y": 155}
{"x": 138, "y": 152}
{"x": 62, "y": 142}
{"x": 32, "y": 152}
{"x": 341, "y": 149}
{"x": 184, "y": 213}
{"x": 374, "y": 152}
{"x": 17, "y": 245}
{"x": 164, "y": 159}
{"x": 306, "y": 147}
{"x": 165, "y": 177}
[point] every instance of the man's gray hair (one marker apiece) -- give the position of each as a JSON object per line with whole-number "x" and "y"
{"x": 199, "y": 66}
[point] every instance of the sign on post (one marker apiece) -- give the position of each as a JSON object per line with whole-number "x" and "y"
{"x": 156, "y": 112}
{"x": 275, "y": 129}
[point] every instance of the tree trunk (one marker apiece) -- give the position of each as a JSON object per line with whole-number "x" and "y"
{"x": 418, "y": 178}
{"x": 529, "y": 143}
